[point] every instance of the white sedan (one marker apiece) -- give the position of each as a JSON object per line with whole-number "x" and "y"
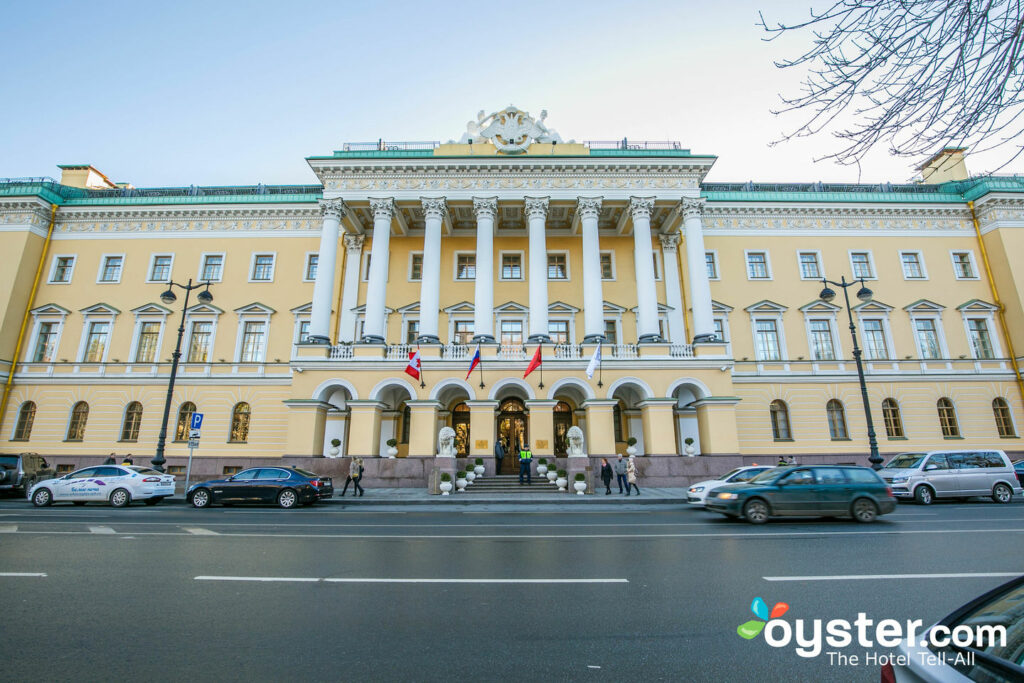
{"x": 117, "y": 484}
{"x": 698, "y": 493}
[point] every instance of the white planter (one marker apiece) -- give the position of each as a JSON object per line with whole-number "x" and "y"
{"x": 334, "y": 451}
{"x": 542, "y": 470}
{"x": 690, "y": 450}
{"x": 580, "y": 487}
{"x": 470, "y": 476}
{"x": 552, "y": 475}
{"x": 478, "y": 470}
{"x": 392, "y": 451}
{"x": 446, "y": 488}
{"x": 630, "y": 450}
{"x": 461, "y": 484}
{"x": 562, "y": 481}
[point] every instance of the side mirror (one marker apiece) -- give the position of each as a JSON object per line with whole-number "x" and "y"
{"x": 931, "y": 466}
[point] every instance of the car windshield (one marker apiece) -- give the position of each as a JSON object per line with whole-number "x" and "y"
{"x": 725, "y": 476}
{"x": 9, "y": 462}
{"x": 768, "y": 476}
{"x": 305, "y": 473}
{"x": 1006, "y": 610}
{"x": 145, "y": 470}
{"x": 905, "y": 461}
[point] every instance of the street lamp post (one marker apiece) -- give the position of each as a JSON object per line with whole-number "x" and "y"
{"x": 864, "y": 294}
{"x": 168, "y": 297}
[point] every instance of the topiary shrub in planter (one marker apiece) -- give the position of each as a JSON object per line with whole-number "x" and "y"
{"x": 580, "y": 484}
{"x": 631, "y": 446}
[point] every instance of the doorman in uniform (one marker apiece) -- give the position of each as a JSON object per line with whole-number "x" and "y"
{"x": 525, "y": 459}
{"x": 499, "y": 455}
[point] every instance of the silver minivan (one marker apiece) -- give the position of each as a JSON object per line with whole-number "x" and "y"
{"x": 952, "y": 474}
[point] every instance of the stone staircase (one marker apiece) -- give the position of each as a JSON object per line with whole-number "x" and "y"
{"x": 509, "y": 483}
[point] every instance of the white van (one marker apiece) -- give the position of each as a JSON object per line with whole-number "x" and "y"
{"x": 952, "y": 474}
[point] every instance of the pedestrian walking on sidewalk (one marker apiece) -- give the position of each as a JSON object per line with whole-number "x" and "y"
{"x": 357, "y": 481}
{"x": 354, "y": 470}
{"x": 606, "y": 476}
{"x": 631, "y": 476}
{"x": 620, "y": 474}
{"x": 499, "y": 455}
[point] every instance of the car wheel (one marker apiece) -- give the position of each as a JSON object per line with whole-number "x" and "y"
{"x": 120, "y": 498}
{"x": 287, "y": 498}
{"x": 42, "y": 497}
{"x": 756, "y": 511}
{"x": 200, "y": 498}
{"x": 1001, "y": 493}
{"x": 29, "y": 484}
{"x": 864, "y": 510}
{"x": 154, "y": 501}
{"x": 924, "y": 495}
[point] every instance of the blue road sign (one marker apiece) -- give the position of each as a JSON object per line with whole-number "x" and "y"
{"x": 197, "y": 421}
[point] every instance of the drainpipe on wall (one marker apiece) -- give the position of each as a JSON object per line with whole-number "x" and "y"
{"x": 24, "y": 319}
{"x": 1000, "y": 309}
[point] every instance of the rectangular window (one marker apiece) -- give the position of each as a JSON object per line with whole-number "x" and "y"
{"x": 262, "y": 268}
{"x": 463, "y": 332}
{"x": 465, "y": 266}
{"x": 860, "y": 262}
{"x": 412, "y": 331}
{"x": 810, "y": 268}
{"x": 963, "y": 265}
{"x": 96, "y": 342}
{"x": 927, "y": 337}
{"x": 312, "y": 261}
{"x": 149, "y": 335}
{"x": 303, "y": 331}
{"x": 611, "y": 331}
{"x": 415, "y": 267}
{"x": 46, "y": 342}
{"x": 767, "y": 333}
{"x": 199, "y": 342}
{"x": 160, "y": 271}
{"x": 62, "y": 268}
{"x": 757, "y": 265}
{"x": 511, "y": 332}
{"x": 557, "y": 267}
{"x": 511, "y": 267}
{"x": 981, "y": 342}
{"x": 212, "y": 266}
{"x": 558, "y": 330}
{"x": 607, "y": 266}
{"x": 111, "y": 271}
{"x": 253, "y": 334}
{"x": 875, "y": 346}
{"x": 720, "y": 330}
{"x": 912, "y": 269}
{"x": 822, "y": 345}
{"x": 711, "y": 261}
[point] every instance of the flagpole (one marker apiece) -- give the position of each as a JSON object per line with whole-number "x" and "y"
{"x": 600, "y": 367}
{"x": 481, "y": 362}
{"x": 540, "y": 348}
{"x": 419, "y": 363}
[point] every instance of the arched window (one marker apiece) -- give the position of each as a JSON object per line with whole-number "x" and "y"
{"x": 892, "y": 419}
{"x": 780, "y": 421}
{"x": 460, "y": 423}
{"x": 184, "y": 420}
{"x": 836, "y": 420}
{"x": 561, "y": 418}
{"x": 947, "y": 418}
{"x": 79, "y": 416}
{"x": 240, "y": 423}
{"x": 406, "y": 419}
{"x": 1001, "y": 411}
{"x": 26, "y": 417}
{"x": 132, "y": 422}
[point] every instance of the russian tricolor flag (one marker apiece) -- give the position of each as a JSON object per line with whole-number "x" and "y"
{"x": 473, "y": 363}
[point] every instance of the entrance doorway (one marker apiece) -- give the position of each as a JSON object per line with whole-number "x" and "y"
{"x": 460, "y": 423}
{"x": 562, "y": 418}
{"x": 513, "y": 429}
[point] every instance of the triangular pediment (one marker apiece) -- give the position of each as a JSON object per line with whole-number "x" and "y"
{"x": 362, "y": 309}
{"x": 765, "y": 306}
{"x": 977, "y": 306}
{"x": 873, "y": 306}
{"x": 461, "y": 307}
{"x": 50, "y": 309}
{"x": 662, "y": 308}
{"x": 414, "y": 307}
{"x": 255, "y": 308}
{"x": 924, "y": 306}
{"x": 304, "y": 309}
{"x": 609, "y": 307}
{"x": 561, "y": 307}
{"x": 204, "y": 309}
{"x": 819, "y": 306}
{"x": 511, "y": 307}
{"x": 151, "y": 309}
{"x": 719, "y": 307}
{"x": 100, "y": 309}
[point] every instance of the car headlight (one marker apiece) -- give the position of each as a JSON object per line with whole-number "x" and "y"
{"x": 696, "y": 489}
{"x": 899, "y": 480}
{"x": 727, "y": 496}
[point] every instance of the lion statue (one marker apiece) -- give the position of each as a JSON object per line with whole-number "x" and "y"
{"x": 446, "y": 442}
{"x": 575, "y": 439}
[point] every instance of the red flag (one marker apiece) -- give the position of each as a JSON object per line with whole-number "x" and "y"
{"x": 413, "y": 368}
{"x": 534, "y": 363}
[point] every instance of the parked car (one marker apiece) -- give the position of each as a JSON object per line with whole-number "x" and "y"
{"x": 807, "y": 491}
{"x": 1018, "y": 468}
{"x": 117, "y": 484}
{"x": 923, "y": 477}
{"x": 286, "y": 486}
{"x": 20, "y": 473}
{"x": 697, "y": 493}
{"x": 918, "y": 660}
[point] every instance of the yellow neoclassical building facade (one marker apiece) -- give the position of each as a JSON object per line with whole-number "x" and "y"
{"x": 704, "y": 298}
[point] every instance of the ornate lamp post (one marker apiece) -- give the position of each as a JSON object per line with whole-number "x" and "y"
{"x": 168, "y": 297}
{"x": 864, "y": 294}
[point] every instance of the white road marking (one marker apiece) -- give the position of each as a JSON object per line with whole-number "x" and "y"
{"x": 8, "y": 528}
{"x": 101, "y": 530}
{"x": 861, "y": 577}
{"x": 37, "y": 574}
{"x": 199, "y": 531}
{"x": 256, "y": 578}
{"x": 284, "y": 579}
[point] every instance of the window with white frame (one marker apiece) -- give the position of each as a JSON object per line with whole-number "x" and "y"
{"x": 211, "y": 267}
{"x": 607, "y": 265}
{"x": 462, "y": 332}
{"x": 720, "y": 333}
{"x": 558, "y": 265}
{"x": 412, "y": 331}
{"x": 110, "y": 268}
{"x": 62, "y": 269}
{"x": 511, "y": 332}
{"x": 254, "y": 339}
{"x": 303, "y": 331}
{"x": 981, "y": 339}
{"x": 511, "y": 266}
{"x": 822, "y": 343}
{"x": 963, "y": 265}
{"x": 757, "y": 265}
{"x": 262, "y": 268}
{"x": 861, "y": 265}
{"x": 160, "y": 267}
{"x": 611, "y": 331}
{"x": 913, "y": 265}
{"x": 875, "y": 345}
{"x": 200, "y": 341}
{"x": 96, "y": 340}
{"x": 415, "y": 266}
{"x": 147, "y": 342}
{"x": 312, "y": 261}
{"x": 558, "y": 330}
{"x": 766, "y": 335}
{"x": 711, "y": 262}
{"x": 926, "y": 331}
{"x": 810, "y": 265}
{"x": 465, "y": 266}
{"x": 45, "y": 348}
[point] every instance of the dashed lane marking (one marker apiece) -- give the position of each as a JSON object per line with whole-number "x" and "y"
{"x": 375, "y": 579}
{"x": 8, "y": 528}
{"x": 101, "y": 530}
{"x": 199, "y": 531}
{"x": 23, "y": 574}
{"x": 864, "y": 577}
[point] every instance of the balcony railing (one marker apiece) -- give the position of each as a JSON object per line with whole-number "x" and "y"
{"x": 626, "y": 351}
{"x": 341, "y": 352}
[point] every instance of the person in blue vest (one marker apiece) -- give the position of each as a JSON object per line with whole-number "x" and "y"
{"x": 525, "y": 459}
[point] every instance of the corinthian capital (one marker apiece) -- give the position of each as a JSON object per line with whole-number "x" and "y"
{"x": 669, "y": 242}
{"x": 641, "y": 207}
{"x": 692, "y": 207}
{"x": 354, "y": 242}
{"x": 333, "y": 208}
{"x": 434, "y": 207}
{"x": 537, "y": 207}
{"x": 382, "y": 209}
{"x": 485, "y": 207}
{"x": 588, "y": 207}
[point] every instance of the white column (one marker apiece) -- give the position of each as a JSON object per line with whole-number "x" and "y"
{"x": 323, "y": 288}
{"x": 350, "y": 287}
{"x": 700, "y": 289}
{"x": 673, "y": 294}
{"x": 589, "y": 208}
{"x": 483, "y": 302}
{"x": 643, "y": 257}
{"x": 373, "y": 329}
{"x": 434, "y": 209}
{"x": 537, "y": 212}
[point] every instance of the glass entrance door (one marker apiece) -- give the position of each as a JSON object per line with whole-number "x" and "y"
{"x": 513, "y": 429}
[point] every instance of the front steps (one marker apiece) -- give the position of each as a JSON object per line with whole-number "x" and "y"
{"x": 509, "y": 483}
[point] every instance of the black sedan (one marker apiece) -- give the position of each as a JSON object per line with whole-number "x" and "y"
{"x": 1018, "y": 468}
{"x": 286, "y": 486}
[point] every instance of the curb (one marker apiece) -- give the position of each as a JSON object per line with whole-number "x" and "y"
{"x": 442, "y": 501}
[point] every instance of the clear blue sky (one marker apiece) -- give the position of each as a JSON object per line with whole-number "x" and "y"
{"x": 211, "y": 93}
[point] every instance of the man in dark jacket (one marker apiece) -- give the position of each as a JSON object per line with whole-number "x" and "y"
{"x": 620, "y": 475}
{"x": 499, "y": 455}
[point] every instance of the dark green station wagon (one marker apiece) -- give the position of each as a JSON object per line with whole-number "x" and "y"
{"x": 806, "y": 491}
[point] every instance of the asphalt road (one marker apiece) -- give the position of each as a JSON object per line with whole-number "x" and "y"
{"x": 497, "y": 593}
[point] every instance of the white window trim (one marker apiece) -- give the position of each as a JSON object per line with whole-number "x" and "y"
{"x": 718, "y": 264}
{"x": 767, "y": 264}
{"x": 724, "y": 318}
{"x": 253, "y": 317}
{"x": 522, "y": 265}
{"x": 800, "y": 266}
{"x": 564, "y": 318}
{"x": 613, "y": 315}
{"x": 186, "y": 344}
{"x": 305, "y": 266}
{"x": 202, "y": 264}
{"x": 87, "y": 320}
{"x": 512, "y": 317}
{"x": 993, "y": 336}
{"x": 71, "y": 412}
{"x": 614, "y": 271}
{"x": 408, "y": 271}
{"x": 779, "y": 329}
{"x": 300, "y": 317}
{"x": 1009, "y": 405}
{"x": 455, "y": 266}
{"x": 970, "y": 256}
{"x": 37, "y": 320}
{"x": 886, "y": 333}
{"x": 939, "y": 332}
{"x": 457, "y": 317}
{"x": 837, "y": 347}
{"x": 53, "y": 269}
{"x": 547, "y": 263}
{"x": 152, "y": 262}
{"x": 871, "y": 263}
{"x": 920, "y": 262}
{"x": 273, "y": 266}
{"x": 413, "y": 318}
{"x": 120, "y": 274}
{"x": 956, "y": 417}
{"x": 141, "y": 318}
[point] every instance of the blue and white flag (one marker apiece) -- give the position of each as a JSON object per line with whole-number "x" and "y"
{"x": 595, "y": 361}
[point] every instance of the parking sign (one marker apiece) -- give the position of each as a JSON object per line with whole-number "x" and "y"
{"x": 197, "y": 421}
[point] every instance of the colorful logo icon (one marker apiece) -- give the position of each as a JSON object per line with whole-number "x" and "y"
{"x": 759, "y": 607}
